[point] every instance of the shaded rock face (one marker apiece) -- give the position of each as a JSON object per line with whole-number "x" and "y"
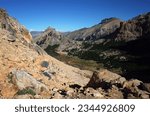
{"x": 133, "y": 29}
{"x": 129, "y": 31}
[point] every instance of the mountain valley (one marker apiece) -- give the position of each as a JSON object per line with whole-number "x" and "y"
{"x": 109, "y": 61}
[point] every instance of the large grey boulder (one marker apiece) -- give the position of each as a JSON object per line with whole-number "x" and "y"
{"x": 24, "y": 80}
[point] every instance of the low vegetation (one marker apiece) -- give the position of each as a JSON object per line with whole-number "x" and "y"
{"x": 26, "y": 91}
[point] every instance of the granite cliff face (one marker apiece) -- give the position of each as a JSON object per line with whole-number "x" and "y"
{"x": 26, "y": 71}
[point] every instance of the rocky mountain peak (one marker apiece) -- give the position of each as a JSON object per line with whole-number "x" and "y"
{"x": 49, "y": 37}
{"x": 50, "y": 29}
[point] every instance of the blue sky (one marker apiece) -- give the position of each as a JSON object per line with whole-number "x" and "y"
{"x": 68, "y": 15}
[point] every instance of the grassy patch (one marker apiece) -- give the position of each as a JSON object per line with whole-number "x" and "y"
{"x": 79, "y": 63}
{"x": 26, "y": 91}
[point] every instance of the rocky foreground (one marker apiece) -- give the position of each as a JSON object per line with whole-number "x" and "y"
{"x": 26, "y": 71}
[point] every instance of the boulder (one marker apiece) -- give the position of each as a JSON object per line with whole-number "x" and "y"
{"x": 105, "y": 78}
{"x": 24, "y": 80}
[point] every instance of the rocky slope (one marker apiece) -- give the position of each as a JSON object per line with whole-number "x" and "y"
{"x": 26, "y": 71}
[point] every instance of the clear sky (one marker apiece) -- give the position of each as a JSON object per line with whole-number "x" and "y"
{"x": 68, "y": 15}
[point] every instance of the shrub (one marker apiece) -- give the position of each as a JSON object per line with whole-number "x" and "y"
{"x": 26, "y": 91}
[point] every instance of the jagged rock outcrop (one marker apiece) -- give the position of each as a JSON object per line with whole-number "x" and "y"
{"x": 13, "y": 28}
